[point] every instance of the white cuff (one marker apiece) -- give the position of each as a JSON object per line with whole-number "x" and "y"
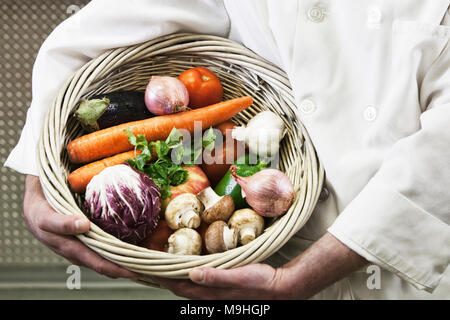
{"x": 388, "y": 229}
{"x": 23, "y": 157}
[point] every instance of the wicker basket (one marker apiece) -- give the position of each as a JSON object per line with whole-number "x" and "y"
{"x": 242, "y": 73}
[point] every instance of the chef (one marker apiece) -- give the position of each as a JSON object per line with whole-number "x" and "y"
{"x": 371, "y": 80}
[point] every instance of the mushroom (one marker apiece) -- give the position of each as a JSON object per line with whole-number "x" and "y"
{"x": 216, "y": 207}
{"x": 220, "y": 238}
{"x": 184, "y": 212}
{"x": 185, "y": 241}
{"x": 248, "y": 224}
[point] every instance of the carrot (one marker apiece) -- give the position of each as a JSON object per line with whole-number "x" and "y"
{"x": 113, "y": 140}
{"x": 80, "y": 178}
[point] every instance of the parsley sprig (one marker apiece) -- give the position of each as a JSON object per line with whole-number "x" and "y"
{"x": 167, "y": 170}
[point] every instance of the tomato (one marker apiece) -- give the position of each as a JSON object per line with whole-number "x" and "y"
{"x": 225, "y": 127}
{"x": 226, "y": 153}
{"x": 158, "y": 238}
{"x": 202, "y": 230}
{"x": 203, "y": 85}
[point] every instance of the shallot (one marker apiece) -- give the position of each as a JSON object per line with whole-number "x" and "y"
{"x": 269, "y": 192}
{"x": 166, "y": 95}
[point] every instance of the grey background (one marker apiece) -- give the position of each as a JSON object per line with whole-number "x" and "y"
{"x": 28, "y": 269}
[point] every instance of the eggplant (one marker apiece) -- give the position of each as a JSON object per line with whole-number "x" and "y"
{"x": 111, "y": 109}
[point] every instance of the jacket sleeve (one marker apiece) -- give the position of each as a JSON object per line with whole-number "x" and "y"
{"x": 96, "y": 28}
{"x": 400, "y": 220}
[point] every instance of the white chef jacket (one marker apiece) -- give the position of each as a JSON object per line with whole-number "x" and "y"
{"x": 371, "y": 79}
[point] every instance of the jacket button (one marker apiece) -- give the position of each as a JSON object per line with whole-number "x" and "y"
{"x": 370, "y": 113}
{"x": 374, "y": 15}
{"x": 316, "y": 14}
{"x": 307, "y": 106}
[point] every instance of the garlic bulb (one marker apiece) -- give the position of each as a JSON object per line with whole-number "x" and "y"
{"x": 262, "y": 134}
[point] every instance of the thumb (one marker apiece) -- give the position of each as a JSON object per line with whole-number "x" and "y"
{"x": 250, "y": 276}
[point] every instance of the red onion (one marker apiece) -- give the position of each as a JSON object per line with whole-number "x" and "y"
{"x": 166, "y": 95}
{"x": 269, "y": 192}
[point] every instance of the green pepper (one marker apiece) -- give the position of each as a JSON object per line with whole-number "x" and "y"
{"x": 228, "y": 186}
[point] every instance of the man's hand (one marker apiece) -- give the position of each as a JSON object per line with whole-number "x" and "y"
{"x": 56, "y": 231}
{"x": 325, "y": 262}
{"x": 255, "y": 281}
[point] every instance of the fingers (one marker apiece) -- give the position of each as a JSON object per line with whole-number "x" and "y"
{"x": 39, "y": 215}
{"x": 80, "y": 253}
{"x": 77, "y": 253}
{"x": 219, "y": 278}
{"x": 248, "y": 282}
{"x": 55, "y": 227}
{"x": 256, "y": 276}
{"x": 50, "y": 221}
{"x": 190, "y": 290}
{"x": 55, "y": 230}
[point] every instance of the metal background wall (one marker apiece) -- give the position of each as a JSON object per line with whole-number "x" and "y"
{"x": 28, "y": 269}
{"x": 24, "y": 26}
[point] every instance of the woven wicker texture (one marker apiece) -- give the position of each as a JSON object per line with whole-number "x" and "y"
{"x": 242, "y": 73}
{"x": 24, "y": 26}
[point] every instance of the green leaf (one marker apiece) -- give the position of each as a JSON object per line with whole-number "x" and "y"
{"x": 165, "y": 191}
{"x": 245, "y": 169}
{"x": 141, "y": 161}
{"x": 197, "y": 154}
{"x": 161, "y": 148}
{"x": 179, "y": 152}
{"x": 131, "y": 162}
{"x": 141, "y": 140}
{"x": 163, "y": 171}
{"x": 174, "y": 139}
{"x": 262, "y": 165}
{"x": 178, "y": 177}
{"x": 209, "y": 139}
{"x": 131, "y": 137}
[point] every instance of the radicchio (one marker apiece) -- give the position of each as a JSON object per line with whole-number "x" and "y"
{"x": 123, "y": 202}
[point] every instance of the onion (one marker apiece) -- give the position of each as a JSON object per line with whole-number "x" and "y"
{"x": 269, "y": 192}
{"x": 166, "y": 95}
